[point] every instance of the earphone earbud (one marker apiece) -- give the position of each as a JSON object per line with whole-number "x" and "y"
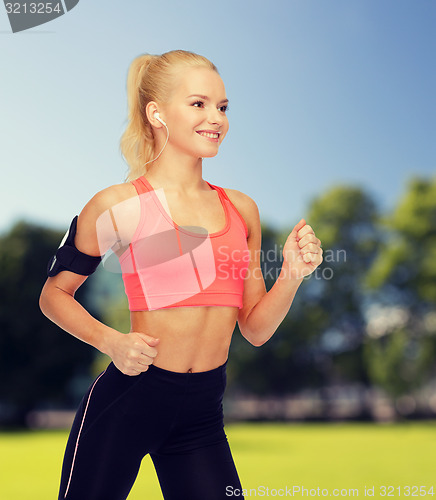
{"x": 156, "y": 115}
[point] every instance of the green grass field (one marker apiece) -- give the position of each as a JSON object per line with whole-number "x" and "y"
{"x": 328, "y": 456}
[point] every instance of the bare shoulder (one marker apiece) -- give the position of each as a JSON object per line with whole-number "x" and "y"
{"x": 246, "y": 206}
{"x": 109, "y": 197}
{"x": 94, "y": 217}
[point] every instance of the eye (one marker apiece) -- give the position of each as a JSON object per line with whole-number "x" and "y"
{"x": 224, "y": 108}
{"x": 198, "y": 102}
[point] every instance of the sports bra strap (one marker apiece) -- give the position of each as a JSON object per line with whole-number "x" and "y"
{"x": 221, "y": 190}
{"x": 140, "y": 185}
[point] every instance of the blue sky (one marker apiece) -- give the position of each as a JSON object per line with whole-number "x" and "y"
{"x": 321, "y": 93}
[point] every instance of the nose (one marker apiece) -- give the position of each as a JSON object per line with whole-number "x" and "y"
{"x": 215, "y": 117}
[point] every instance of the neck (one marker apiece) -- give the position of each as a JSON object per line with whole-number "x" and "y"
{"x": 176, "y": 172}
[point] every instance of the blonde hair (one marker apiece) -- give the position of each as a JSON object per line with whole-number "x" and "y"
{"x": 150, "y": 78}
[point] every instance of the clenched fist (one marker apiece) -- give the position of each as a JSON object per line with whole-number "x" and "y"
{"x": 133, "y": 352}
{"x": 302, "y": 252}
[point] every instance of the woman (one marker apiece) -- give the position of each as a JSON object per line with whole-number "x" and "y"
{"x": 190, "y": 257}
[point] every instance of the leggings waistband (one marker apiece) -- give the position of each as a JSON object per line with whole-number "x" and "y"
{"x": 201, "y": 377}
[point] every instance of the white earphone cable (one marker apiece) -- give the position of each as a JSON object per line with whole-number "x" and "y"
{"x": 168, "y": 134}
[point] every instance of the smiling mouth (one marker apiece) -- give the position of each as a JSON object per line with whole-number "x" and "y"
{"x": 209, "y": 134}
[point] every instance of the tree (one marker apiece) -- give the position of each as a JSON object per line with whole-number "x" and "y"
{"x": 407, "y": 260}
{"x": 344, "y": 219}
{"x": 401, "y": 345}
{"x": 37, "y": 359}
{"x": 283, "y": 364}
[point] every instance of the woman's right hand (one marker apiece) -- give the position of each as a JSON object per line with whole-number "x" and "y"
{"x": 133, "y": 352}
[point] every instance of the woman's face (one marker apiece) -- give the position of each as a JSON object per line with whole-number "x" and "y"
{"x": 196, "y": 114}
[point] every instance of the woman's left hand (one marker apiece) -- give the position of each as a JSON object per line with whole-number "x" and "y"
{"x": 302, "y": 252}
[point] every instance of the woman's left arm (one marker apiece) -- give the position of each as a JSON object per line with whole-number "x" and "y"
{"x": 263, "y": 311}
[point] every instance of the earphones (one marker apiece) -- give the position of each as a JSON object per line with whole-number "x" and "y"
{"x": 158, "y": 118}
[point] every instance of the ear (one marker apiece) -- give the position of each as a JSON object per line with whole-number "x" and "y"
{"x": 150, "y": 110}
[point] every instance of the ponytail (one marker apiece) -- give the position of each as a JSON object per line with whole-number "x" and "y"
{"x": 137, "y": 142}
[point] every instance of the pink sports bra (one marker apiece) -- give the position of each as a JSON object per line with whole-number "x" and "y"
{"x": 167, "y": 265}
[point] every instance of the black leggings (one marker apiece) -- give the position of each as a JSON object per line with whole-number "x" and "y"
{"x": 175, "y": 417}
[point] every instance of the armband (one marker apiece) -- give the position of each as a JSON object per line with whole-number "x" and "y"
{"x": 68, "y": 258}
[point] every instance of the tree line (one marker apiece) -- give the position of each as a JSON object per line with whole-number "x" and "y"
{"x": 367, "y": 315}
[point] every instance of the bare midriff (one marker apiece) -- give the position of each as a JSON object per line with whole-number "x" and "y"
{"x": 192, "y": 339}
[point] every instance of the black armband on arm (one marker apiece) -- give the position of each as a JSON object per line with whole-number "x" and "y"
{"x": 68, "y": 258}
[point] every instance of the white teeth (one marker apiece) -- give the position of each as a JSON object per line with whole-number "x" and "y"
{"x": 211, "y": 136}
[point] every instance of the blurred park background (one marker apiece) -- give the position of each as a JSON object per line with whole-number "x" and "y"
{"x": 332, "y": 118}
{"x": 359, "y": 342}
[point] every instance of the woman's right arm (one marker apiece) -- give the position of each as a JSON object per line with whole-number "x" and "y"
{"x": 131, "y": 353}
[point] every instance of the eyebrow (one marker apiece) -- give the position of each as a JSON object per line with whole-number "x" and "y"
{"x": 205, "y": 97}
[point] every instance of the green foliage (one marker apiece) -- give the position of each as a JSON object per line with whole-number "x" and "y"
{"x": 344, "y": 219}
{"x": 404, "y": 273}
{"x": 115, "y": 314}
{"x": 399, "y": 363}
{"x": 390, "y": 258}
{"x": 37, "y": 359}
{"x": 344, "y": 214}
{"x": 408, "y": 256}
{"x": 320, "y": 340}
{"x": 415, "y": 215}
{"x": 281, "y": 365}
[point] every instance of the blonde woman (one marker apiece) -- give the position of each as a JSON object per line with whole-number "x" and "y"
{"x": 189, "y": 252}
